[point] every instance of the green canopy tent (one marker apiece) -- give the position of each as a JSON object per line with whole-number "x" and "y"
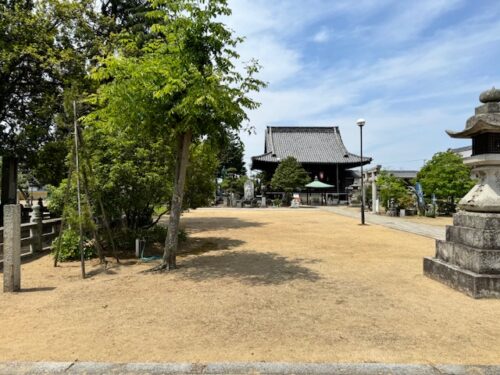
{"x": 317, "y": 185}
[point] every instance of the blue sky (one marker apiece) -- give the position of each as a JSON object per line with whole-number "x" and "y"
{"x": 411, "y": 69}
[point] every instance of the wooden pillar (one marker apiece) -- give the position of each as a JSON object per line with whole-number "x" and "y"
{"x": 9, "y": 183}
{"x": 9, "y": 180}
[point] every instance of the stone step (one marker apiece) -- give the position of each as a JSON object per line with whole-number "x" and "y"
{"x": 474, "y": 284}
{"x": 478, "y": 238}
{"x": 479, "y": 220}
{"x": 468, "y": 257}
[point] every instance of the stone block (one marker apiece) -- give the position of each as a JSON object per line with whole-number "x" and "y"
{"x": 12, "y": 248}
{"x": 488, "y": 108}
{"x": 473, "y": 284}
{"x": 478, "y": 238}
{"x": 479, "y": 220}
{"x": 36, "y": 231}
{"x": 469, "y": 258}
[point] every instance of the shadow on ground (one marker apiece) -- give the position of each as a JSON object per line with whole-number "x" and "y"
{"x": 248, "y": 267}
{"x": 38, "y": 289}
{"x": 202, "y": 224}
{"x": 197, "y": 246}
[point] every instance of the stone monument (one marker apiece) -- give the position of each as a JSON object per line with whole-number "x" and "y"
{"x": 469, "y": 259}
{"x": 12, "y": 248}
{"x": 249, "y": 190}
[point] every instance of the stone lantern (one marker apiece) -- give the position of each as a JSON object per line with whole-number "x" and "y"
{"x": 469, "y": 259}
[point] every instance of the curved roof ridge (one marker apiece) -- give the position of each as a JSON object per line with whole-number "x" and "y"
{"x": 309, "y": 145}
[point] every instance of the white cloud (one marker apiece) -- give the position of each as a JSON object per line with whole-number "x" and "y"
{"x": 408, "y": 96}
{"x": 412, "y": 18}
{"x": 322, "y": 36}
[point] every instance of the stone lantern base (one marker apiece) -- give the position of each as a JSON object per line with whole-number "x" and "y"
{"x": 469, "y": 259}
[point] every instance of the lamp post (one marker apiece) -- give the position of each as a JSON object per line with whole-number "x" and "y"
{"x": 361, "y": 123}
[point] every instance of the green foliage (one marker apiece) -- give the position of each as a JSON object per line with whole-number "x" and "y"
{"x": 446, "y": 176}
{"x": 38, "y": 60}
{"x": 233, "y": 182}
{"x": 68, "y": 210}
{"x": 391, "y": 187}
{"x": 231, "y": 156}
{"x": 181, "y": 80}
{"x": 289, "y": 176}
{"x": 68, "y": 246}
{"x": 406, "y": 201}
{"x": 200, "y": 185}
{"x": 132, "y": 171}
{"x": 56, "y": 198}
{"x": 49, "y": 168}
{"x": 125, "y": 237}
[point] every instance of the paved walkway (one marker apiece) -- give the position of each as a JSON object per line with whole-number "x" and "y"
{"x": 426, "y": 230}
{"x": 88, "y": 368}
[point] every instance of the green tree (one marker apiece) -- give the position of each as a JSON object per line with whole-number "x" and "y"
{"x": 231, "y": 156}
{"x": 446, "y": 176}
{"x": 182, "y": 88}
{"x": 200, "y": 180}
{"x": 38, "y": 59}
{"x": 392, "y": 187}
{"x": 289, "y": 176}
{"x": 233, "y": 182}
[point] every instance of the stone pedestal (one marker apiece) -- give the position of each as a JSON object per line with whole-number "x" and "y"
{"x": 469, "y": 259}
{"x": 263, "y": 203}
{"x": 12, "y": 248}
{"x": 36, "y": 231}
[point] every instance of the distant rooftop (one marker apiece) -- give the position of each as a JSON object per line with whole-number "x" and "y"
{"x": 309, "y": 145}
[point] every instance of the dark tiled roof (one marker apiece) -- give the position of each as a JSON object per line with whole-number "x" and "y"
{"x": 318, "y": 145}
{"x": 460, "y": 149}
{"x": 404, "y": 174}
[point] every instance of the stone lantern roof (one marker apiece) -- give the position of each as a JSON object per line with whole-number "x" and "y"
{"x": 486, "y": 118}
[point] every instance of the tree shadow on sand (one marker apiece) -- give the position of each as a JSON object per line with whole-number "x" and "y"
{"x": 202, "y": 224}
{"x": 248, "y": 267}
{"x": 197, "y": 246}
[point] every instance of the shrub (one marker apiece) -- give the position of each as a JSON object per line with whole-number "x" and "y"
{"x": 125, "y": 238}
{"x": 68, "y": 250}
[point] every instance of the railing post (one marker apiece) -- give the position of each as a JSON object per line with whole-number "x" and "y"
{"x": 12, "y": 248}
{"x": 36, "y": 230}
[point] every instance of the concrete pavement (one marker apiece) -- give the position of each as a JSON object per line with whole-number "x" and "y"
{"x": 254, "y": 368}
{"x": 426, "y": 230}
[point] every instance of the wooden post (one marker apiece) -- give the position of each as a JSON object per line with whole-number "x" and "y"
{"x": 9, "y": 183}
{"x": 12, "y": 248}
{"x": 78, "y": 197}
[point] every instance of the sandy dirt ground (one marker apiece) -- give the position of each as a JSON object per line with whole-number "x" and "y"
{"x": 260, "y": 285}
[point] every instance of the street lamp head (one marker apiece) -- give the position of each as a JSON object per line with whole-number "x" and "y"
{"x": 360, "y": 122}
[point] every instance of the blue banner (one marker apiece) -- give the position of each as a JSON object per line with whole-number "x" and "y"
{"x": 420, "y": 194}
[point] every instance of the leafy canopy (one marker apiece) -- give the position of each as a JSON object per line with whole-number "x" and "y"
{"x": 445, "y": 175}
{"x": 181, "y": 79}
{"x": 231, "y": 156}
{"x": 392, "y": 187}
{"x": 289, "y": 176}
{"x": 184, "y": 80}
{"x": 38, "y": 59}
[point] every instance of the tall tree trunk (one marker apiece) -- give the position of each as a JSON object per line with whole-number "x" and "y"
{"x": 171, "y": 242}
